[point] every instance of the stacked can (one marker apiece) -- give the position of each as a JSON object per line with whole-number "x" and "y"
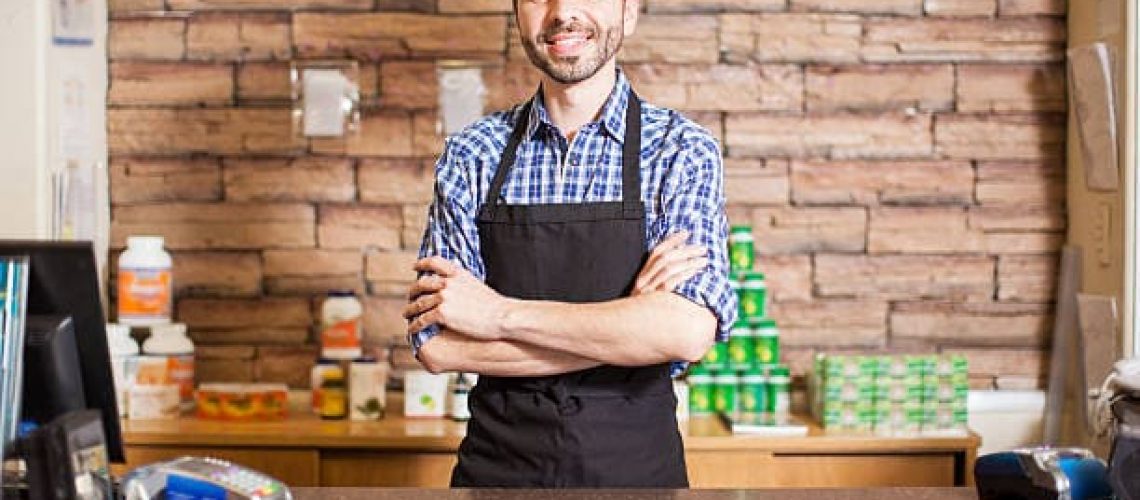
{"x": 898, "y": 394}
{"x": 845, "y": 392}
{"x": 945, "y": 385}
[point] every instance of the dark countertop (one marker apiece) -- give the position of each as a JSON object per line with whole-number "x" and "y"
{"x": 789, "y": 494}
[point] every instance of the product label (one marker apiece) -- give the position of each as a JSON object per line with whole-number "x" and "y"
{"x": 168, "y": 370}
{"x": 144, "y": 293}
{"x": 342, "y": 335}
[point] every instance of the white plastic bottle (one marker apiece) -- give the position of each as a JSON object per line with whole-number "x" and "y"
{"x": 146, "y": 282}
{"x": 171, "y": 352}
{"x": 340, "y": 326}
{"x": 124, "y": 362}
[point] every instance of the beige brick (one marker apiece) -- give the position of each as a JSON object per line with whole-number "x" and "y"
{"x": 935, "y": 39}
{"x": 285, "y": 365}
{"x": 475, "y": 6}
{"x": 1015, "y": 218}
{"x": 312, "y": 262}
{"x": 253, "y": 335}
{"x": 208, "y": 371}
{"x": 313, "y": 285}
{"x": 831, "y": 323}
{"x": 791, "y": 37}
{"x": 720, "y": 87}
{"x": 1002, "y": 88}
{"x": 837, "y": 136}
{"x": 919, "y": 230}
{"x": 391, "y": 267}
{"x": 873, "y": 183}
{"x": 384, "y": 321}
{"x": 689, "y": 6}
{"x": 1031, "y": 7}
{"x": 1000, "y": 136}
{"x": 961, "y": 8}
{"x": 1027, "y": 278}
{"x": 1021, "y": 184}
{"x": 1020, "y": 383}
{"x": 190, "y": 226}
{"x": 246, "y": 352}
{"x": 900, "y": 7}
{"x": 141, "y": 180}
{"x": 301, "y": 179}
{"x": 238, "y": 37}
{"x": 415, "y": 223}
{"x": 147, "y": 38}
{"x": 1024, "y": 243}
{"x": 509, "y": 84}
{"x": 215, "y": 274}
{"x": 672, "y": 39}
{"x": 788, "y": 276}
{"x": 125, "y": 6}
{"x": 982, "y": 382}
{"x": 375, "y": 36}
{"x": 993, "y": 324}
{"x": 214, "y": 131}
{"x": 146, "y": 83}
{"x": 218, "y": 314}
{"x": 263, "y": 81}
{"x": 359, "y": 227}
{"x": 901, "y": 277}
{"x": 1005, "y": 362}
{"x": 880, "y": 87}
{"x": 789, "y": 230}
{"x": 712, "y": 121}
{"x": 427, "y": 134}
{"x": 396, "y": 181}
{"x": 409, "y": 84}
{"x": 756, "y": 182}
{"x": 290, "y": 5}
{"x": 428, "y": 6}
{"x": 382, "y": 133}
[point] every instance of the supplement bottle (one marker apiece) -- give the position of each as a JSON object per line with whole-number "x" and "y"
{"x": 146, "y": 283}
{"x": 169, "y": 347}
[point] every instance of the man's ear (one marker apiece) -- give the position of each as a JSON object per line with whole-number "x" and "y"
{"x": 632, "y": 11}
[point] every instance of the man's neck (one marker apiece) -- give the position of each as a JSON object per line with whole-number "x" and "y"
{"x": 574, "y": 105}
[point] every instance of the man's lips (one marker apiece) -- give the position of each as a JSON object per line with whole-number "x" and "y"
{"x": 567, "y": 44}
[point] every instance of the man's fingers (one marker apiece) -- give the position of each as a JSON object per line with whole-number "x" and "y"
{"x": 426, "y": 284}
{"x": 421, "y": 304}
{"x": 683, "y": 274}
{"x": 437, "y": 265}
{"x": 652, "y": 272}
{"x": 667, "y": 244}
{"x": 424, "y": 320}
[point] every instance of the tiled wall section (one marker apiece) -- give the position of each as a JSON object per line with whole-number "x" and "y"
{"x": 901, "y": 161}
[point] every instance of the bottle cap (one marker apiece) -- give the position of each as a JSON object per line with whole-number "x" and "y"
{"x": 146, "y": 242}
{"x": 168, "y": 329}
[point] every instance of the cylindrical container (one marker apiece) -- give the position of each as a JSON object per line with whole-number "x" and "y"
{"x": 458, "y": 409}
{"x": 779, "y": 397}
{"x": 317, "y": 377}
{"x": 753, "y": 295}
{"x": 754, "y": 391}
{"x": 717, "y": 357}
{"x": 740, "y": 248}
{"x": 700, "y": 391}
{"x": 124, "y": 362}
{"x": 146, "y": 282}
{"x": 741, "y": 353}
{"x": 681, "y": 392}
{"x": 334, "y": 395}
{"x": 726, "y": 386}
{"x": 366, "y": 396}
{"x": 766, "y": 341}
{"x": 340, "y": 326}
{"x": 170, "y": 344}
{"x": 425, "y": 394}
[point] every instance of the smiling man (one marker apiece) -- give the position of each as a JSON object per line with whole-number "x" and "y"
{"x": 536, "y": 268}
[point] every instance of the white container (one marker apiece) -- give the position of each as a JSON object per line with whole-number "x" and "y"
{"x": 159, "y": 402}
{"x": 340, "y": 326}
{"x": 146, "y": 282}
{"x": 124, "y": 362}
{"x": 425, "y": 394}
{"x": 459, "y": 408}
{"x": 168, "y": 358}
{"x": 366, "y": 394}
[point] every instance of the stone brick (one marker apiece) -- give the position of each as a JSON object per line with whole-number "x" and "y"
{"x": 150, "y": 83}
{"x": 789, "y": 230}
{"x": 1015, "y": 218}
{"x": 124, "y": 6}
{"x": 286, "y": 365}
{"x": 427, "y": 134}
{"x": 720, "y": 87}
{"x": 381, "y": 133}
{"x": 409, "y": 84}
{"x": 384, "y": 322}
{"x": 263, "y": 81}
{"x": 919, "y": 230}
{"x": 831, "y": 323}
{"x": 238, "y": 37}
{"x": 791, "y": 37}
{"x": 1005, "y": 362}
{"x": 1027, "y": 278}
{"x": 788, "y": 276}
{"x": 899, "y": 7}
{"x": 509, "y": 84}
{"x": 1020, "y": 383}
{"x": 311, "y": 262}
{"x": 982, "y": 382}
{"x": 246, "y": 352}
{"x": 313, "y": 285}
{"x": 933, "y": 39}
{"x": 301, "y": 179}
{"x": 415, "y": 223}
{"x": 190, "y": 226}
{"x": 961, "y": 8}
{"x": 873, "y": 183}
{"x": 285, "y": 5}
{"x": 208, "y": 371}
{"x": 986, "y": 137}
{"x": 142, "y": 180}
{"x": 428, "y": 6}
{"x": 976, "y": 324}
{"x": 213, "y": 131}
{"x": 375, "y": 36}
{"x": 147, "y": 38}
{"x": 475, "y": 6}
{"x": 712, "y": 121}
{"x": 216, "y": 274}
{"x": 1031, "y": 7}
{"x": 1021, "y": 184}
{"x": 252, "y": 335}
{"x": 220, "y": 314}
{"x": 359, "y": 227}
{"x": 756, "y": 182}
{"x": 902, "y": 277}
{"x": 392, "y": 267}
{"x": 880, "y": 87}
{"x": 673, "y": 39}
{"x": 396, "y": 181}
{"x": 839, "y": 136}
{"x": 1024, "y": 243}
{"x": 1001, "y": 88}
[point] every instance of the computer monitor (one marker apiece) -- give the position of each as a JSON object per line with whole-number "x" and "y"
{"x": 64, "y": 283}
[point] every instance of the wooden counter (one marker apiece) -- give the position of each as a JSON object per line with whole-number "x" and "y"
{"x": 397, "y": 451}
{"x": 786, "y": 494}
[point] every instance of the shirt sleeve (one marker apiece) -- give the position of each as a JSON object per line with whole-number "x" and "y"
{"x": 693, "y": 200}
{"x": 451, "y": 232}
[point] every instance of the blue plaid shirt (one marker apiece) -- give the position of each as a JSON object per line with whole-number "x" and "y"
{"x": 681, "y": 177}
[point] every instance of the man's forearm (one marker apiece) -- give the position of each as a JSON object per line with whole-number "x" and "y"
{"x": 450, "y": 351}
{"x": 635, "y": 331}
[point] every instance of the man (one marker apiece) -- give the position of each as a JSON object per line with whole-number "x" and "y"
{"x": 535, "y": 272}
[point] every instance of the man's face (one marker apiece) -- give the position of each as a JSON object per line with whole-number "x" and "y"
{"x": 570, "y": 40}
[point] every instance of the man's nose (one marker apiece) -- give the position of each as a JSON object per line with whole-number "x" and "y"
{"x": 565, "y": 11}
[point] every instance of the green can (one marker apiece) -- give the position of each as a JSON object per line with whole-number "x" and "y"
{"x": 779, "y": 397}
{"x": 725, "y": 390}
{"x": 717, "y": 358}
{"x": 741, "y": 354}
{"x": 753, "y": 295}
{"x": 754, "y": 391}
{"x": 741, "y": 248}
{"x": 700, "y": 391}
{"x": 766, "y": 341}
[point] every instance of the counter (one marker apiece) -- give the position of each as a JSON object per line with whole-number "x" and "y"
{"x": 797, "y": 494}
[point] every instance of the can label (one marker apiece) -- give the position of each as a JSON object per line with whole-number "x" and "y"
{"x": 752, "y": 300}
{"x": 701, "y": 399}
{"x": 740, "y": 352}
{"x": 717, "y": 357}
{"x": 144, "y": 293}
{"x": 754, "y": 398}
{"x": 724, "y": 399}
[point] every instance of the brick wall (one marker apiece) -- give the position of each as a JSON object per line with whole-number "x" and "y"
{"x": 901, "y": 161}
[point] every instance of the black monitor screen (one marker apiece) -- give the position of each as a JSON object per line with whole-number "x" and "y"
{"x": 64, "y": 282}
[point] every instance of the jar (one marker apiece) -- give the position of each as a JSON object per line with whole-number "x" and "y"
{"x": 341, "y": 313}
{"x": 145, "y": 283}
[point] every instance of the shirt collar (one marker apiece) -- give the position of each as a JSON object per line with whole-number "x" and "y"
{"x": 612, "y": 117}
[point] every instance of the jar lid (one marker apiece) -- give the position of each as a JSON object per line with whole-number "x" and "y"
{"x": 168, "y": 329}
{"x": 146, "y": 241}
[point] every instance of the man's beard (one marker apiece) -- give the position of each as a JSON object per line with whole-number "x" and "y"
{"x": 569, "y": 70}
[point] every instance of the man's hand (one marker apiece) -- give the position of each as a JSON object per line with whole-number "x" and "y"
{"x": 670, "y": 263}
{"x": 451, "y": 297}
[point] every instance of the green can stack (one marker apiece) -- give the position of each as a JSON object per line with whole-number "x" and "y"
{"x": 701, "y": 390}
{"x": 741, "y": 351}
{"x": 741, "y": 248}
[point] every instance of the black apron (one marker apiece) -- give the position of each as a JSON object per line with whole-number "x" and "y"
{"x": 607, "y": 426}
